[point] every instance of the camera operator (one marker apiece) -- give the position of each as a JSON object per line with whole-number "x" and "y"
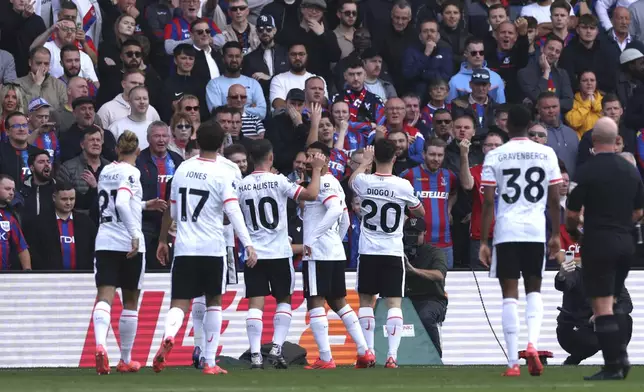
{"x": 426, "y": 269}
{"x": 575, "y": 331}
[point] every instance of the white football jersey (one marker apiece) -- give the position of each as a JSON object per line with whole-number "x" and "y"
{"x": 262, "y": 198}
{"x": 383, "y": 199}
{"x": 200, "y": 188}
{"x": 112, "y": 233}
{"x": 522, "y": 171}
{"x": 329, "y": 245}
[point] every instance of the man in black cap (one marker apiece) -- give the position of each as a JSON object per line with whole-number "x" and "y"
{"x": 287, "y": 131}
{"x": 479, "y": 103}
{"x": 269, "y": 58}
{"x": 425, "y": 286}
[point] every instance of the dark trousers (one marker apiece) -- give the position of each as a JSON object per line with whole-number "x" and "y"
{"x": 431, "y": 312}
{"x": 582, "y": 342}
{"x": 461, "y": 242}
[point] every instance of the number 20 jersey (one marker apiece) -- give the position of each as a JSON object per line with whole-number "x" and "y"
{"x": 522, "y": 170}
{"x": 383, "y": 199}
{"x": 263, "y": 197}
{"x": 112, "y": 233}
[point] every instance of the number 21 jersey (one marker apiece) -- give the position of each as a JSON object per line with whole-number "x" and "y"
{"x": 522, "y": 170}
{"x": 383, "y": 199}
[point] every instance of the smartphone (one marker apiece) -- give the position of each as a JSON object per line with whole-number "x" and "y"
{"x": 570, "y": 256}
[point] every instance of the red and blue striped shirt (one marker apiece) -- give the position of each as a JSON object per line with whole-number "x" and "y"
{"x": 179, "y": 29}
{"x": 338, "y": 162}
{"x": 49, "y": 143}
{"x": 433, "y": 189}
{"x": 165, "y": 172}
{"x": 67, "y": 242}
{"x": 11, "y": 238}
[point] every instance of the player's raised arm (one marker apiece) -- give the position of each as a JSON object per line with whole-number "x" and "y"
{"x": 317, "y": 162}
{"x": 334, "y": 210}
{"x": 367, "y": 161}
{"x": 465, "y": 176}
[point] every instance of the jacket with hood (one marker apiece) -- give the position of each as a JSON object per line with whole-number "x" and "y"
{"x": 532, "y": 82}
{"x": 419, "y": 69}
{"x": 484, "y": 119}
{"x": 285, "y": 15}
{"x": 455, "y": 39}
{"x": 601, "y": 58}
{"x": 459, "y": 84}
{"x": 584, "y": 113}
{"x": 36, "y": 199}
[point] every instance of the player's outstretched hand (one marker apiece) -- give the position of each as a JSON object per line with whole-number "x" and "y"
{"x": 163, "y": 253}
{"x": 318, "y": 161}
{"x": 251, "y": 256}
{"x": 485, "y": 255}
{"x": 368, "y": 154}
{"x": 156, "y": 205}
{"x": 135, "y": 248}
{"x": 554, "y": 246}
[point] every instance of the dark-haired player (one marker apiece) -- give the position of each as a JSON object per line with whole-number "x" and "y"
{"x": 527, "y": 177}
{"x": 263, "y": 196}
{"x": 381, "y": 265}
{"x": 325, "y": 223}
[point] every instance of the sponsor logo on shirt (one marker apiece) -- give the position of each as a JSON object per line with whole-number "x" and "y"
{"x": 432, "y": 195}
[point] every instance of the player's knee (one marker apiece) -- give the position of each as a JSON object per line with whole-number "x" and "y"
{"x": 130, "y": 299}
{"x": 256, "y": 303}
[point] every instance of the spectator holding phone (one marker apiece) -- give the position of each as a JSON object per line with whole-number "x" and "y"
{"x": 43, "y": 132}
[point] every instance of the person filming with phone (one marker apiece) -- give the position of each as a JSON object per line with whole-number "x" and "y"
{"x": 43, "y": 132}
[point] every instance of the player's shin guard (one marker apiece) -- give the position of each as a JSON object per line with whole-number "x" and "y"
{"x": 281, "y": 323}
{"x": 102, "y": 316}
{"x": 534, "y": 316}
{"x": 368, "y": 324}
{"x": 128, "y": 323}
{"x": 198, "y": 313}
{"x": 510, "y": 321}
{"x": 610, "y": 340}
{"x": 394, "y": 331}
{"x": 254, "y": 328}
{"x": 212, "y": 329}
{"x": 173, "y": 321}
{"x": 352, "y": 324}
{"x": 320, "y": 328}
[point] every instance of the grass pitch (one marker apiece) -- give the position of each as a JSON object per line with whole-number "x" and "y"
{"x": 567, "y": 379}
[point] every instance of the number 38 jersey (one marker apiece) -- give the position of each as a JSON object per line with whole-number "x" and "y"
{"x": 262, "y": 198}
{"x": 112, "y": 233}
{"x": 200, "y": 189}
{"x": 522, "y": 170}
{"x": 383, "y": 199}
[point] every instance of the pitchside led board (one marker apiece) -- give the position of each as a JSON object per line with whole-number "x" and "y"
{"x": 46, "y": 322}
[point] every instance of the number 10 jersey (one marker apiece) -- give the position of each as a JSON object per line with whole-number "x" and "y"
{"x": 522, "y": 170}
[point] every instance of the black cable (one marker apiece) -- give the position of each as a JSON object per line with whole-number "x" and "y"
{"x": 487, "y": 317}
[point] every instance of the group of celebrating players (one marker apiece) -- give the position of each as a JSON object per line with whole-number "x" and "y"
{"x": 210, "y": 202}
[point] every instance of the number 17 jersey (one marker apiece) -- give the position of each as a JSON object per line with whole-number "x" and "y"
{"x": 522, "y": 170}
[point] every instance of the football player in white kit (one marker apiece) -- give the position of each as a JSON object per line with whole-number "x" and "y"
{"x": 381, "y": 263}
{"x": 120, "y": 250}
{"x": 203, "y": 188}
{"x": 263, "y": 197}
{"x": 527, "y": 177}
{"x": 325, "y": 223}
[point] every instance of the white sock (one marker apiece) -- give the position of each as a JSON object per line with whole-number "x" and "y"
{"x": 254, "y": 326}
{"x": 198, "y": 313}
{"x": 351, "y": 323}
{"x": 212, "y": 330}
{"x": 320, "y": 328}
{"x": 281, "y": 323}
{"x": 102, "y": 318}
{"x": 173, "y": 321}
{"x": 368, "y": 324}
{"x": 394, "y": 331}
{"x": 534, "y": 316}
{"x": 127, "y": 328}
{"x": 510, "y": 321}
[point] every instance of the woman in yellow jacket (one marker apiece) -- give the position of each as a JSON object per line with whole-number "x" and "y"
{"x": 587, "y": 107}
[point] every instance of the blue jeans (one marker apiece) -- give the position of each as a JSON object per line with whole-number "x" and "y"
{"x": 449, "y": 257}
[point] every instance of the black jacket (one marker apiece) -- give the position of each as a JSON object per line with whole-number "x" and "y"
{"x": 625, "y": 88}
{"x": 12, "y": 164}
{"x": 254, "y": 62}
{"x": 392, "y": 45}
{"x": 177, "y": 85}
{"x": 36, "y": 199}
{"x": 70, "y": 144}
{"x": 577, "y": 309}
{"x": 462, "y": 105}
{"x": 201, "y": 71}
{"x": 149, "y": 183}
{"x": 634, "y": 113}
{"x": 507, "y": 65}
{"x": 43, "y": 238}
{"x": 455, "y": 39}
{"x": 286, "y": 16}
{"x": 601, "y": 58}
{"x": 18, "y": 34}
{"x": 287, "y": 139}
{"x": 586, "y": 143}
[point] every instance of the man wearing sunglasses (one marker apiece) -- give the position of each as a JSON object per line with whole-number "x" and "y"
{"x": 178, "y": 30}
{"x": 269, "y": 58}
{"x": 240, "y": 29}
{"x": 474, "y": 56}
{"x": 348, "y": 15}
{"x": 66, "y": 35}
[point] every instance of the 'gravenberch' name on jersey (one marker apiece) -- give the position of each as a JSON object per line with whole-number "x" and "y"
{"x": 522, "y": 155}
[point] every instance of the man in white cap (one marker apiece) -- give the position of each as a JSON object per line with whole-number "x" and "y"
{"x": 630, "y": 75}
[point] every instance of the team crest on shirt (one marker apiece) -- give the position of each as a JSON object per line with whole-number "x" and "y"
{"x": 131, "y": 179}
{"x": 171, "y": 164}
{"x": 234, "y": 185}
{"x": 327, "y": 185}
{"x": 443, "y": 182}
{"x": 412, "y": 221}
{"x": 5, "y": 226}
{"x": 352, "y": 139}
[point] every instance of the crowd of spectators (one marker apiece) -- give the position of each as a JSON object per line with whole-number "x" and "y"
{"x": 427, "y": 74}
